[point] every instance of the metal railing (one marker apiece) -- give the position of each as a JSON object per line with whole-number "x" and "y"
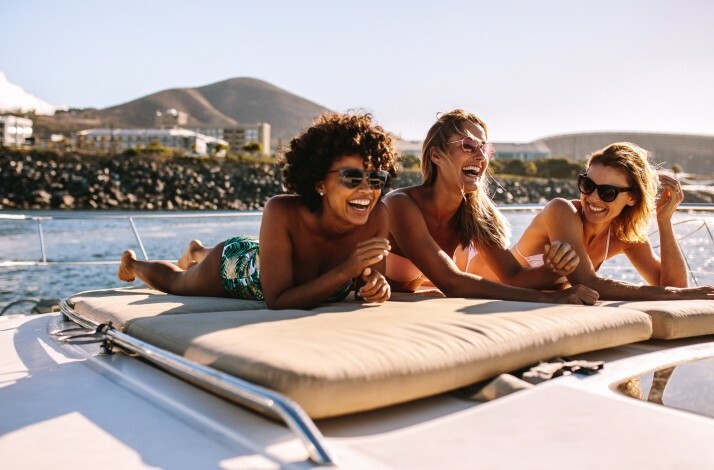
{"x": 129, "y": 218}
{"x": 132, "y": 218}
{"x": 234, "y": 389}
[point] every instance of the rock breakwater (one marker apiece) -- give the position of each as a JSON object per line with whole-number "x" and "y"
{"x": 37, "y": 180}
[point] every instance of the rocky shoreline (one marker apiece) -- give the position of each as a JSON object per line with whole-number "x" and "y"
{"x": 45, "y": 180}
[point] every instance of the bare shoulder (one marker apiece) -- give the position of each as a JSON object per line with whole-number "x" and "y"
{"x": 283, "y": 201}
{"x": 283, "y": 207}
{"x": 402, "y": 198}
{"x": 559, "y": 208}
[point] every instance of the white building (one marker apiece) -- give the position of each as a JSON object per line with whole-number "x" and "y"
{"x": 522, "y": 151}
{"x": 241, "y": 135}
{"x": 118, "y": 140}
{"x": 170, "y": 119}
{"x": 14, "y": 131}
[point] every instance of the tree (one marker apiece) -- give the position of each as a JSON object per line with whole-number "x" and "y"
{"x": 252, "y": 147}
{"x": 410, "y": 161}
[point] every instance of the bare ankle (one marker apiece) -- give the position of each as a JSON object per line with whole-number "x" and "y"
{"x": 126, "y": 266}
{"x": 188, "y": 258}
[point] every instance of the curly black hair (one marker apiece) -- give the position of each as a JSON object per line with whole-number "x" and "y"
{"x": 332, "y": 136}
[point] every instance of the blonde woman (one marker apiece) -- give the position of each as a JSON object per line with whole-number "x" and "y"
{"x": 613, "y": 215}
{"x": 437, "y": 228}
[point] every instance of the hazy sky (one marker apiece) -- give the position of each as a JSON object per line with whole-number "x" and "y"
{"x": 529, "y": 68}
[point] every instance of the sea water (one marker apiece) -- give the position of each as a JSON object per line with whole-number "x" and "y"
{"x": 87, "y": 245}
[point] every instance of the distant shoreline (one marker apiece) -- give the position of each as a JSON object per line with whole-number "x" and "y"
{"x": 46, "y": 180}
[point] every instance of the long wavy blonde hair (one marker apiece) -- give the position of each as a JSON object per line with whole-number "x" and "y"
{"x": 477, "y": 219}
{"x": 634, "y": 221}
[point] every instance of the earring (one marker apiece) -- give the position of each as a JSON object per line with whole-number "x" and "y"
{"x": 321, "y": 193}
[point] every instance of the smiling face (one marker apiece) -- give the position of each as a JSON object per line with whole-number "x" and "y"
{"x": 466, "y": 160}
{"x": 351, "y": 205}
{"x": 595, "y": 209}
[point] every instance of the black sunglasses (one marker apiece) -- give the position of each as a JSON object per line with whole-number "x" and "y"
{"x": 607, "y": 193}
{"x": 353, "y": 177}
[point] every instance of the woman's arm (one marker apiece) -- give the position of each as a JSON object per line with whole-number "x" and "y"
{"x": 673, "y": 268}
{"x": 559, "y": 260}
{"x": 411, "y": 233}
{"x": 564, "y": 223}
{"x": 375, "y": 287}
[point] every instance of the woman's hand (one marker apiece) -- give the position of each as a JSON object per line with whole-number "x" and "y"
{"x": 560, "y": 258}
{"x": 691, "y": 293}
{"x": 366, "y": 254}
{"x": 375, "y": 288}
{"x": 577, "y": 294}
{"x": 672, "y": 195}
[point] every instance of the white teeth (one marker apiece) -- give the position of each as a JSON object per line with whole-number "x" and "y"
{"x": 596, "y": 209}
{"x": 472, "y": 168}
{"x": 360, "y": 202}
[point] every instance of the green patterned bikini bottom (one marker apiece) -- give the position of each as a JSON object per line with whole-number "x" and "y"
{"x": 240, "y": 271}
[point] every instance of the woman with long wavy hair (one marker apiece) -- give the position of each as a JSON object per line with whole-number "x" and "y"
{"x": 613, "y": 215}
{"x": 438, "y": 227}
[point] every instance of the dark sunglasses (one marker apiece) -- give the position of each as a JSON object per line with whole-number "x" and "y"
{"x": 607, "y": 193}
{"x": 471, "y": 145}
{"x": 353, "y": 177}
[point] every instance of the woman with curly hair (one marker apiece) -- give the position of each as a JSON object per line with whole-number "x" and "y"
{"x": 314, "y": 242}
{"x": 612, "y": 216}
{"x": 437, "y": 228}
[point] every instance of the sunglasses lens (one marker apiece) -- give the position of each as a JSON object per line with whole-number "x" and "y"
{"x": 469, "y": 145}
{"x": 351, "y": 177}
{"x": 377, "y": 179}
{"x": 586, "y": 185}
{"x": 607, "y": 193}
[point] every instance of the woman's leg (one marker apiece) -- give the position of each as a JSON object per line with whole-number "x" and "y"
{"x": 203, "y": 279}
{"x": 194, "y": 253}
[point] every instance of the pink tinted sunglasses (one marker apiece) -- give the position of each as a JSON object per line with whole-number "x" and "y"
{"x": 472, "y": 145}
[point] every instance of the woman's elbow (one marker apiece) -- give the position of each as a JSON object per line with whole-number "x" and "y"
{"x": 453, "y": 288}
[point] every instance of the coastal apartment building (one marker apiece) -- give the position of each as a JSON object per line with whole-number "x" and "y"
{"x": 15, "y": 131}
{"x": 170, "y": 119}
{"x": 237, "y": 136}
{"x": 504, "y": 150}
{"x": 241, "y": 135}
{"x": 118, "y": 140}
{"x": 522, "y": 151}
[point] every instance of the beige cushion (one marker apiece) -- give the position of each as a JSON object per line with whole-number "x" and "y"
{"x": 126, "y": 304}
{"x": 343, "y": 358}
{"x": 673, "y": 319}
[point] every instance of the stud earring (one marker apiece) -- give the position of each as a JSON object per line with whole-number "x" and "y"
{"x": 321, "y": 193}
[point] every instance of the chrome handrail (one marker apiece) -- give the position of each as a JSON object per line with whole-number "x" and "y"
{"x": 40, "y": 218}
{"x": 257, "y": 398}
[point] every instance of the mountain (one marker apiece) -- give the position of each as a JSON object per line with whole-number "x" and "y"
{"x": 14, "y": 98}
{"x": 222, "y": 104}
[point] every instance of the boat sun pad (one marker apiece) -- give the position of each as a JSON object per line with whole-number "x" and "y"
{"x": 674, "y": 319}
{"x": 343, "y": 358}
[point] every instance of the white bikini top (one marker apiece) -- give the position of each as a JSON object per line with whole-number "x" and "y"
{"x": 472, "y": 254}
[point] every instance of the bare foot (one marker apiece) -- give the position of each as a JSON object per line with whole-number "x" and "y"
{"x": 187, "y": 259}
{"x": 126, "y": 273}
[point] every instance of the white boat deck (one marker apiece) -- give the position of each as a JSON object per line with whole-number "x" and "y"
{"x": 60, "y": 405}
